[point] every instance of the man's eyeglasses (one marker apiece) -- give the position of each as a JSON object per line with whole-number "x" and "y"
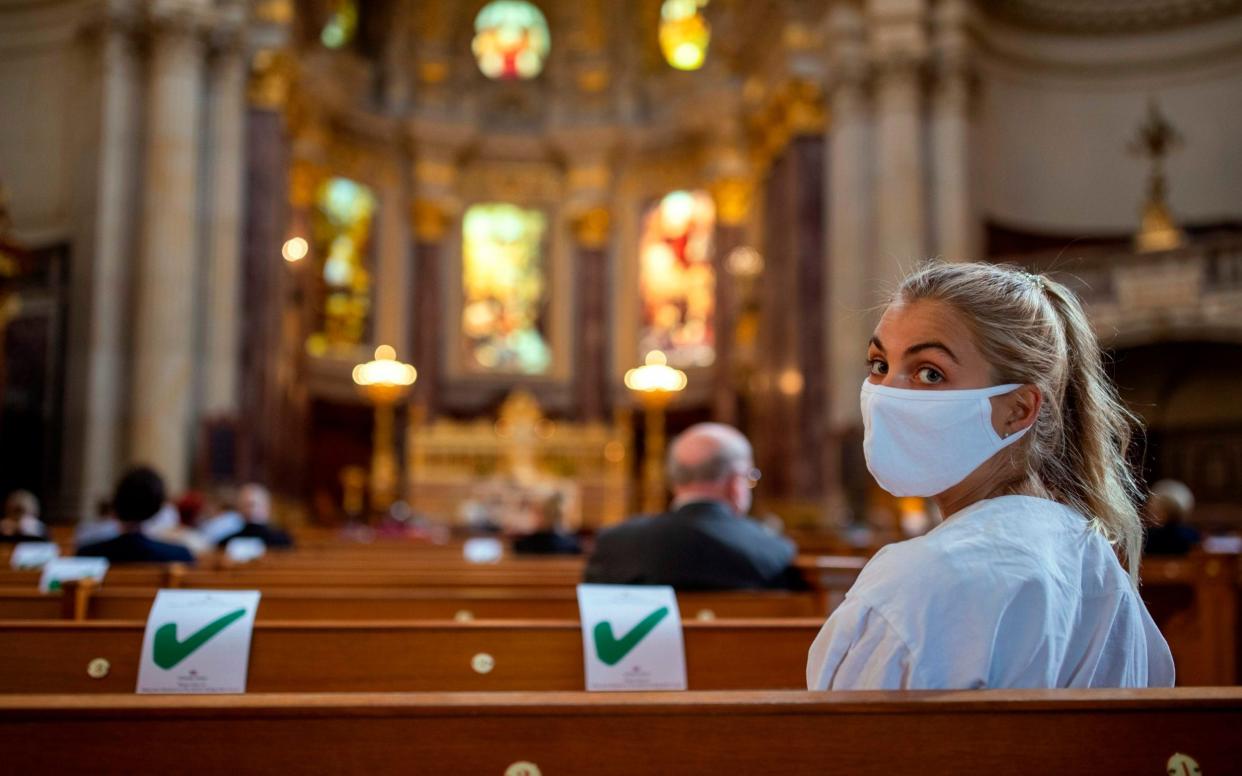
{"x": 752, "y": 476}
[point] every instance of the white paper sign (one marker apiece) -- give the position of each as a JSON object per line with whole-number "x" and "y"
{"x": 198, "y": 641}
{"x": 482, "y": 550}
{"x": 244, "y": 549}
{"x": 631, "y": 638}
{"x": 68, "y": 569}
{"x": 33, "y": 555}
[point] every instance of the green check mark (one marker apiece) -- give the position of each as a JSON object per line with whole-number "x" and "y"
{"x": 611, "y": 649}
{"x": 168, "y": 652}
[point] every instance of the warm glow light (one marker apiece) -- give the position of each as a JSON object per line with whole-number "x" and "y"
{"x": 385, "y": 370}
{"x": 656, "y": 376}
{"x": 295, "y": 249}
{"x": 684, "y": 33}
{"x": 511, "y": 40}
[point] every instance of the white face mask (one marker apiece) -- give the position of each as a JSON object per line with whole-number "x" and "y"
{"x": 921, "y": 443}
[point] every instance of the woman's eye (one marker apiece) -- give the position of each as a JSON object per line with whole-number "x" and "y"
{"x": 877, "y": 367}
{"x": 929, "y": 375}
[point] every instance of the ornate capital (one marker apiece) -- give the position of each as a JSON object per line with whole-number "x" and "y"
{"x": 430, "y": 220}
{"x": 733, "y": 196}
{"x": 591, "y": 228}
{"x": 271, "y": 74}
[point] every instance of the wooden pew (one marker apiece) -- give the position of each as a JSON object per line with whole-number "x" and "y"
{"x": 1196, "y": 603}
{"x": 1018, "y": 733}
{"x": 82, "y": 601}
{"x": 54, "y": 656}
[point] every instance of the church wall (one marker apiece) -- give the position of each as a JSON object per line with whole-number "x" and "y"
{"x": 1056, "y": 116}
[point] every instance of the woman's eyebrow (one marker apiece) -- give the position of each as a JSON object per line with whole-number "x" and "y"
{"x": 876, "y": 342}
{"x": 932, "y": 345}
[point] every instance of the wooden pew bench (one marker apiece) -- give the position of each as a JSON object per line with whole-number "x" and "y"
{"x": 323, "y": 603}
{"x": 54, "y": 656}
{"x": 1018, "y": 733}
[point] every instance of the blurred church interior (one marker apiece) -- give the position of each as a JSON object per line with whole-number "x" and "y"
{"x": 437, "y": 256}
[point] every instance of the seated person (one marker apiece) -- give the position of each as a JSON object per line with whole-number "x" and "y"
{"x": 138, "y": 497}
{"x": 254, "y": 504}
{"x": 549, "y": 536}
{"x": 21, "y": 521}
{"x": 1170, "y": 504}
{"x": 987, "y": 393}
{"x": 705, "y": 542}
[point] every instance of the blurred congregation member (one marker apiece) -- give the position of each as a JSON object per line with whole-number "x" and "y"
{"x": 21, "y": 521}
{"x": 254, "y": 504}
{"x": 706, "y": 541}
{"x": 987, "y": 394}
{"x": 139, "y": 496}
{"x": 1170, "y": 505}
{"x": 549, "y": 536}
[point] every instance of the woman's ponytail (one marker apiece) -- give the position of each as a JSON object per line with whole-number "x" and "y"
{"x": 1097, "y": 429}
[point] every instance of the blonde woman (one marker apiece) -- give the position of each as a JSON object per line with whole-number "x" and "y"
{"x": 987, "y": 394}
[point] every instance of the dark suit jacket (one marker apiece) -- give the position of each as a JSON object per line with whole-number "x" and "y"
{"x": 701, "y": 546}
{"x": 272, "y": 537}
{"x": 136, "y": 548}
{"x": 547, "y": 543}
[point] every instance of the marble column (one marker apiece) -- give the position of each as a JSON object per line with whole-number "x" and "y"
{"x": 223, "y": 319}
{"x": 590, "y": 368}
{"x": 392, "y": 283}
{"x": 953, "y": 214}
{"x": 733, "y": 195}
{"x": 111, "y": 242}
{"x": 430, "y": 220}
{"x": 851, "y": 296}
{"x": 898, "y": 48}
{"x": 163, "y": 368}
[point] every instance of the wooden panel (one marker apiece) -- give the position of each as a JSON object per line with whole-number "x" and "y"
{"x": 1017, "y": 733}
{"x": 52, "y": 657}
{"x": 318, "y": 604}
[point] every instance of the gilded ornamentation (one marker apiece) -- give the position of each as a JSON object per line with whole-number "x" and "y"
{"x": 430, "y": 220}
{"x": 591, "y": 228}
{"x": 733, "y": 196}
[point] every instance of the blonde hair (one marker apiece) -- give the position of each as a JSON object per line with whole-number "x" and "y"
{"x": 1033, "y": 330}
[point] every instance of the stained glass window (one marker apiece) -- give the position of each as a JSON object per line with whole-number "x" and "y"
{"x": 341, "y": 234}
{"x": 503, "y": 283}
{"x": 342, "y": 24}
{"x": 511, "y": 40}
{"x": 684, "y": 33}
{"x": 677, "y": 281}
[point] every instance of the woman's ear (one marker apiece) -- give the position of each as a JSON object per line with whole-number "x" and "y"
{"x": 1024, "y": 405}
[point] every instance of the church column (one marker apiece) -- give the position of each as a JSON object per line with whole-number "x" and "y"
{"x": 430, "y": 219}
{"x": 392, "y": 287}
{"x": 103, "y": 361}
{"x": 954, "y": 218}
{"x": 223, "y": 319}
{"x": 163, "y": 373}
{"x": 733, "y": 190}
{"x": 591, "y": 236}
{"x": 850, "y": 293}
{"x": 898, "y": 49}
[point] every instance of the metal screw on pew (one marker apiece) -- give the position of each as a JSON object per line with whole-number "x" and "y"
{"x": 523, "y": 768}
{"x": 98, "y": 668}
{"x": 705, "y": 614}
{"x": 483, "y": 663}
{"x": 463, "y": 615}
{"x": 1180, "y": 765}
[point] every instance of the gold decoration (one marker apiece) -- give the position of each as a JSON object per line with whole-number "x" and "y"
{"x": 304, "y": 179}
{"x": 274, "y": 11}
{"x": 433, "y": 71}
{"x": 733, "y": 197}
{"x": 591, "y": 228}
{"x": 430, "y": 220}
{"x": 271, "y": 73}
{"x": 593, "y": 80}
{"x": 1156, "y": 138}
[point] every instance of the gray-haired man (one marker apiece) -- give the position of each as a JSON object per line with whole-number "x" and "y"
{"x": 705, "y": 542}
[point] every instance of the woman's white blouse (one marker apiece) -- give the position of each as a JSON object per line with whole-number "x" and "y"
{"x": 1010, "y": 592}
